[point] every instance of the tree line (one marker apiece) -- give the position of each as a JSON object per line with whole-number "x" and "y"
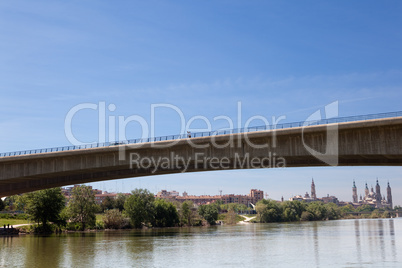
{"x": 50, "y": 210}
{"x": 288, "y": 211}
{"x": 141, "y": 208}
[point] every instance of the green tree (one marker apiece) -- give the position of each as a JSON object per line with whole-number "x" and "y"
{"x": 292, "y": 210}
{"x": 366, "y": 207}
{"x": 45, "y": 205}
{"x": 306, "y": 216}
{"x": 333, "y": 211}
{"x": 119, "y": 202}
{"x": 165, "y": 214}
{"x": 347, "y": 208}
{"x": 140, "y": 207}
{"x": 375, "y": 214}
{"x": 318, "y": 210}
{"x": 2, "y": 205}
{"x": 20, "y": 202}
{"x": 223, "y": 207}
{"x": 186, "y": 213}
{"x": 386, "y": 214}
{"x": 107, "y": 203}
{"x": 235, "y": 207}
{"x": 241, "y": 208}
{"x": 82, "y": 207}
{"x": 209, "y": 213}
{"x": 268, "y": 211}
{"x": 230, "y": 217}
{"x": 289, "y": 212}
{"x": 9, "y": 202}
{"x": 232, "y": 207}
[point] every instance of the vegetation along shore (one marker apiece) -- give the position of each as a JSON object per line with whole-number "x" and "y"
{"x": 48, "y": 211}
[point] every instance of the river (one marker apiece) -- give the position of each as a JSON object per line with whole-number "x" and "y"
{"x": 342, "y": 243}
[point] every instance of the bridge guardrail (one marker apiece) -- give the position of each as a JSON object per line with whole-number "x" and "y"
{"x": 207, "y": 134}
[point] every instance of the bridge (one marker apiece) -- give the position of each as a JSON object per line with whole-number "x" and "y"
{"x": 371, "y": 140}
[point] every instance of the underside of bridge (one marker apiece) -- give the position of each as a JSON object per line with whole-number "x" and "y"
{"x": 363, "y": 143}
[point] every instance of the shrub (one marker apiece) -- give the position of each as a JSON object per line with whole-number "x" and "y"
{"x": 113, "y": 219}
{"x": 231, "y": 217}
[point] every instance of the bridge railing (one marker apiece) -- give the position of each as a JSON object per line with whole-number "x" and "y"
{"x": 208, "y": 133}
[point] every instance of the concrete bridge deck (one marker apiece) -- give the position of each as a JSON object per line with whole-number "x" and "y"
{"x": 376, "y": 142}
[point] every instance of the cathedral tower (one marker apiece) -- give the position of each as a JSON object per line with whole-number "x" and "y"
{"x": 366, "y": 191}
{"x": 389, "y": 196}
{"x": 378, "y": 195}
{"x": 354, "y": 192}
{"x": 313, "y": 195}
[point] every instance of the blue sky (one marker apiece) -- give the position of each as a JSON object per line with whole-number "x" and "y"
{"x": 277, "y": 58}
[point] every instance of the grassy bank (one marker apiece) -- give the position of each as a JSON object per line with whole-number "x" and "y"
{"x": 13, "y": 219}
{"x": 12, "y": 222}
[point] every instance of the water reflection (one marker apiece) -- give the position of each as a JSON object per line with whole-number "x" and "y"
{"x": 381, "y": 237}
{"x": 392, "y": 239}
{"x": 48, "y": 248}
{"x": 8, "y": 247}
{"x": 307, "y": 244}
{"x": 316, "y": 244}
{"x": 358, "y": 241}
{"x": 82, "y": 245}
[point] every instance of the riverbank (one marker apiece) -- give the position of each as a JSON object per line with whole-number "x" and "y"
{"x": 248, "y": 219}
{"x": 9, "y": 231}
{"x": 223, "y": 219}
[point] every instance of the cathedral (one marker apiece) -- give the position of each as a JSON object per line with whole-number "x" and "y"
{"x": 372, "y": 198}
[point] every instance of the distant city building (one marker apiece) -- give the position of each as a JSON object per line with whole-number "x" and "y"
{"x": 99, "y": 194}
{"x": 330, "y": 199}
{"x": 372, "y": 198}
{"x": 165, "y": 193}
{"x": 67, "y": 191}
{"x": 389, "y": 195}
{"x": 198, "y": 200}
{"x": 99, "y": 198}
{"x": 354, "y": 192}
{"x": 313, "y": 195}
{"x": 252, "y": 198}
{"x": 307, "y": 198}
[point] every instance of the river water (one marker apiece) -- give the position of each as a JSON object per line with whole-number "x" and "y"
{"x": 343, "y": 243}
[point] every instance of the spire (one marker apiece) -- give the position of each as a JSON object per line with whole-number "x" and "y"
{"x": 366, "y": 191}
{"x": 378, "y": 195}
{"x": 389, "y": 196}
{"x": 313, "y": 194}
{"x": 354, "y": 190}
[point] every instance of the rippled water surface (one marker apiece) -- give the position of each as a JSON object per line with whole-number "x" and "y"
{"x": 344, "y": 243}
